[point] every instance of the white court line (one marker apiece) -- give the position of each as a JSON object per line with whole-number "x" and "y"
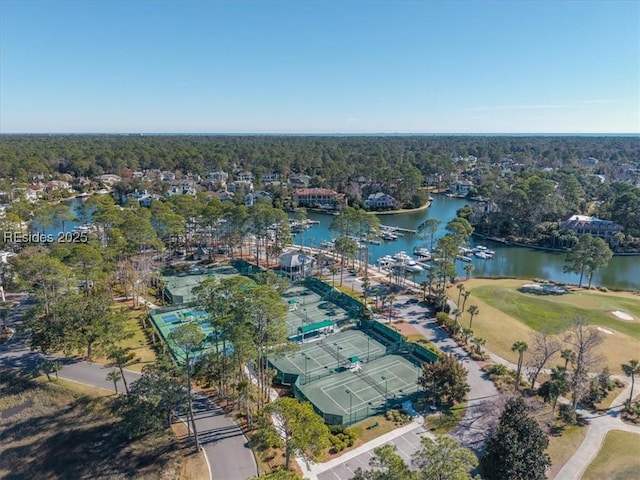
{"x": 345, "y": 385}
{"x": 344, "y": 409}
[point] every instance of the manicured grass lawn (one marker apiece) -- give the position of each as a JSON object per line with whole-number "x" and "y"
{"x": 552, "y": 312}
{"x": 562, "y": 447}
{"x": 441, "y": 424}
{"x": 507, "y": 316}
{"x": 618, "y": 458}
{"x": 138, "y": 341}
{"x": 364, "y": 435}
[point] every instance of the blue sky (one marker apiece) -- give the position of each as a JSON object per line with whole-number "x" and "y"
{"x": 320, "y": 67}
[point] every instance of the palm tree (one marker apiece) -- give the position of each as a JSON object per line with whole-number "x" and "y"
{"x": 557, "y": 385}
{"x": 466, "y": 334}
{"x": 473, "y": 311}
{"x": 456, "y": 314}
{"x": 468, "y": 268}
{"x": 567, "y": 355}
{"x": 519, "y": 347}
{"x": 366, "y": 283}
{"x": 334, "y": 270}
{"x": 465, "y": 295}
{"x": 120, "y": 357}
{"x": 390, "y": 298}
{"x": 479, "y": 342}
{"x": 631, "y": 369}
{"x": 461, "y": 290}
{"x": 114, "y": 376}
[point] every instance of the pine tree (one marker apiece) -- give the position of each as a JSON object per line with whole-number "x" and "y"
{"x": 516, "y": 451}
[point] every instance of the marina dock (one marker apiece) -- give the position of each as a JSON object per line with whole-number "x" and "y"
{"x": 397, "y": 230}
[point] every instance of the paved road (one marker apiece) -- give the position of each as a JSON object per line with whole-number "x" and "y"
{"x": 600, "y": 423}
{"x": 223, "y": 442}
{"x": 480, "y": 414}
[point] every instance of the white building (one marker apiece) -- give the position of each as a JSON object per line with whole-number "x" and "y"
{"x": 380, "y": 200}
{"x": 296, "y": 265}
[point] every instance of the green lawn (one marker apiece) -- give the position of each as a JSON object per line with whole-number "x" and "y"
{"x": 444, "y": 422}
{"x": 552, "y": 313}
{"x": 507, "y": 316}
{"x": 617, "y": 459}
{"x": 138, "y": 341}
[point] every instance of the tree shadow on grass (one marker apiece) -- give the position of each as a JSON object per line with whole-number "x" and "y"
{"x": 76, "y": 442}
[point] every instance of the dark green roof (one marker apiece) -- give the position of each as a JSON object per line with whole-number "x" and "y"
{"x": 315, "y": 326}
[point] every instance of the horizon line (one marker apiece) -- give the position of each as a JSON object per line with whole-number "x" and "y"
{"x": 329, "y": 134}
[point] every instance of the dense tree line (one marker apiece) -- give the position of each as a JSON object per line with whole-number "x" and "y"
{"x": 397, "y": 161}
{"x": 85, "y": 155}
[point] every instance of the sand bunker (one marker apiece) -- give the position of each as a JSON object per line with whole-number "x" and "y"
{"x": 605, "y": 330}
{"x": 623, "y": 316}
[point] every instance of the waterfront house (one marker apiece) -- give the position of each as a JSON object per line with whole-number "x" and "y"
{"x": 143, "y": 198}
{"x": 380, "y": 200}
{"x": 461, "y": 187}
{"x": 317, "y": 198}
{"x": 583, "y": 224}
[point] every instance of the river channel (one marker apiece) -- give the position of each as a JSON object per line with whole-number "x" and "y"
{"x": 509, "y": 261}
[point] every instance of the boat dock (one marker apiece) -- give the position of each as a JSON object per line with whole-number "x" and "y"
{"x": 397, "y": 230}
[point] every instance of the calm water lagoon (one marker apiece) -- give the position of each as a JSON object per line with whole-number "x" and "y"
{"x": 509, "y": 261}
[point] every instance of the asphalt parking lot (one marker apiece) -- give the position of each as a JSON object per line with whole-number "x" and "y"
{"x": 406, "y": 445}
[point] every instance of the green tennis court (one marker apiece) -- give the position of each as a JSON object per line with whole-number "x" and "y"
{"x": 179, "y": 288}
{"x": 318, "y": 359}
{"x": 307, "y": 307}
{"x": 351, "y": 396}
{"x": 167, "y": 320}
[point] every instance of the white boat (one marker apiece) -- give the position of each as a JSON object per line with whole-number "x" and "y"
{"x": 481, "y": 251}
{"x": 388, "y": 236}
{"x": 422, "y": 252}
{"x": 84, "y": 228}
{"x": 464, "y": 258}
{"x": 412, "y": 266}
